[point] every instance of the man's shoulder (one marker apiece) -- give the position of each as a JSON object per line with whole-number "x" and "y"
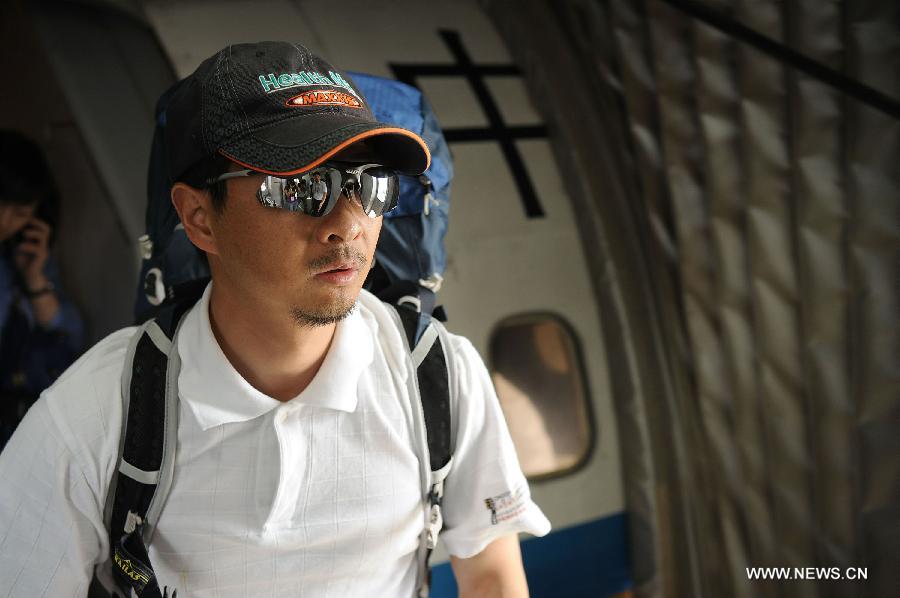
{"x": 84, "y": 408}
{"x": 86, "y": 401}
{"x": 102, "y": 362}
{"x": 385, "y": 326}
{"x": 370, "y": 303}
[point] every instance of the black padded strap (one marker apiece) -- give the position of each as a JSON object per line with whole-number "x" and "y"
{"x": 400, "y": 293}
{"x": 144, "y": 432}
{"x": 434, "y": 389}
{"x": 434, "y": 386}
{"x": 439, "y": 313}
{"x": 410, "y": 320}
{"x": 142, "y": 449}
{"x": 140, "y": 463}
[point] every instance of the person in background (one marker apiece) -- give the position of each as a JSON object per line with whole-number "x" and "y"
{"x": 318, "y": 190}
{"x": 40, "y": 332}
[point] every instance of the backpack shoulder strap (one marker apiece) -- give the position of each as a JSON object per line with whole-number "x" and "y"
{"x": 430, "y": 360}
{"x": 146, "y": 460}
{"x": 428, "y": 345}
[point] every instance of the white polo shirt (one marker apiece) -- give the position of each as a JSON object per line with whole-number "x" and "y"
{"x": 317, "y": 496}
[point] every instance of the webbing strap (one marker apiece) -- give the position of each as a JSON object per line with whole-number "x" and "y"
{"x": 159, "y": 338}
{"x": 147, "y": 458}
{"x": 433, "y": 384}
{"x": 435, "y": 497}
{"x": 144, "y": 477}
{"x": 426, "y": 343}
{"x": 142, "y": 453}
{"x": 424, "y": 347}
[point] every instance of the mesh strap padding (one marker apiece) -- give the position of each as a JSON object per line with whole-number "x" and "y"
{"x": 435, "y": 394}
{"x": 143, "y": 448}
{"x": 434, "y": 389}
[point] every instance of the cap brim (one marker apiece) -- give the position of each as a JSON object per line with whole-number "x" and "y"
{"x": 300, "y": 144}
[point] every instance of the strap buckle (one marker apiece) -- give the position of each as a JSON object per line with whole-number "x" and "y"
{"x": 132, "y": 521}
{"x": 435, "y": 523}
{"x": 435, "y": 515}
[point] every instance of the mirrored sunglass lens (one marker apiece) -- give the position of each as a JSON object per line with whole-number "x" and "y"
{"x": 378, "y": 192}
{"x": 315, "y": 193}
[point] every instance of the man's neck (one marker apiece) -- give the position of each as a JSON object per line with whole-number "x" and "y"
{"x": 274, "y": 354}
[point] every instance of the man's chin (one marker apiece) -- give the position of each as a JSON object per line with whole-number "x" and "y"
{"x": 323, "y": 314}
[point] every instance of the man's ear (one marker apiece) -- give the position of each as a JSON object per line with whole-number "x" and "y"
{"x": 194, "y": 207}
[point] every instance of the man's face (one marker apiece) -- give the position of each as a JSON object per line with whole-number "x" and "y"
{"x": 312, "y": 268}
{"x": 14, "y": 217}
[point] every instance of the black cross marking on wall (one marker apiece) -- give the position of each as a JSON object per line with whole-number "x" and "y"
{"x": 496, "y": 129}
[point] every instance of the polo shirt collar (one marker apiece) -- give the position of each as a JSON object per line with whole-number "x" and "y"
{"x": 217, "y": 394}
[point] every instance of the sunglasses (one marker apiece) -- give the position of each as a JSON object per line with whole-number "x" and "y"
{"x": 373, "y": 187}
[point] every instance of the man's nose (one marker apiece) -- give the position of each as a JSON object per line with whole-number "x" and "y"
{"x": 342, "y": 224}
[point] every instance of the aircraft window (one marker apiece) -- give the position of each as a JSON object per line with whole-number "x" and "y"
{"x": 536, "y": 367}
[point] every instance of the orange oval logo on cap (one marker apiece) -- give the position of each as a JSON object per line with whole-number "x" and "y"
{"x": 323, "y": 98}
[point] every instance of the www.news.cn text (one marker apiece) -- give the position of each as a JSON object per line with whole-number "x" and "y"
{"x": 805, "y": 573}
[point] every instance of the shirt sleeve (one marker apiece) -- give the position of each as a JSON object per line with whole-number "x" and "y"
{"x": 50, "y": 518}
{"x": 486, "y": 495}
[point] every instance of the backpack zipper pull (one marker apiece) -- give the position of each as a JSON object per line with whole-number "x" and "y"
{"x": 146, "y": 245}
{"x": 429, "y": 198}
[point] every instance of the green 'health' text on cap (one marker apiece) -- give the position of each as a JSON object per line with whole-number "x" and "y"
{"x": 272, "y": 82}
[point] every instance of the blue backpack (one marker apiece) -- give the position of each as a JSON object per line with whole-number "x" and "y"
{"x": 410, "y": 257}
{"x": 408, "y": 273}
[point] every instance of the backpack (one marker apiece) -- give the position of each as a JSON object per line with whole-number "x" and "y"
{"x": 409, "y": 258}
{"x": 408, "y": 273}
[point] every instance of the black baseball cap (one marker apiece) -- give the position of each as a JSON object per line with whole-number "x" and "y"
{"x": 276, "y": 107}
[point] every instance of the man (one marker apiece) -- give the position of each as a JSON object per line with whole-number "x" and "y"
{"x": 40, "y": 332}
{"x": 295, "y": 471}
{"x": 318, "y": 191}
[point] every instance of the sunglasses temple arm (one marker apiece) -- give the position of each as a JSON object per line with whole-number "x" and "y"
{"x": 230, "y": 175}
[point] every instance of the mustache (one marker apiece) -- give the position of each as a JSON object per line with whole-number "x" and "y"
{"x": 339, "y": 255}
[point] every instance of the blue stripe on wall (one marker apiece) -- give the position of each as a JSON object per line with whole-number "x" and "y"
{"x": 589, "y": 560}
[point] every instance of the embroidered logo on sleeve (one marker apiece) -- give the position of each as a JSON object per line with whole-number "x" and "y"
{"x": 506, "y": 506}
